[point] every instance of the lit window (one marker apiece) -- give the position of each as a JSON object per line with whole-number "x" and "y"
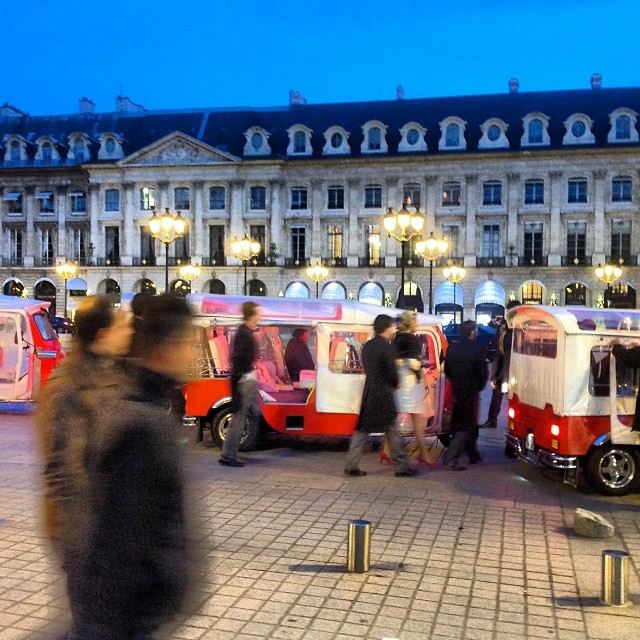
{"x": 147, "y": 198}
{"x": 451, "y": 194}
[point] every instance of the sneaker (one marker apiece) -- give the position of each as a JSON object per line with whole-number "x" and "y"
{"x": 354, "y": 473}
{"x": 230, "y": 462}
{"x": 409, "y": 473}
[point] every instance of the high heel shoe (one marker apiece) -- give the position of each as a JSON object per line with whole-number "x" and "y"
{"x": 384, "y": 458}
{"x": 424, "y": 461}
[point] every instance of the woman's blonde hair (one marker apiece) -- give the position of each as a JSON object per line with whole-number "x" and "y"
{"x": 407, "y": 319}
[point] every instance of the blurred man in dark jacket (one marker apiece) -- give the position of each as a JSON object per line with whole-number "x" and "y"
{"x": 466, "y": 368}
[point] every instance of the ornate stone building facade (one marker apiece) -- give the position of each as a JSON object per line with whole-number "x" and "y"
{"x": 532, "y": 191}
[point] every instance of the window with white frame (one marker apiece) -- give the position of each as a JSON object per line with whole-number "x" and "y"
{"x": 452, "y": 233}
{"x": 78, "y": 148}
{"x": 182, "y": 198}
{"x": 451, "y": 194}
{"x": 536, "y": 132}
{"x": 216, "y": 245}
{"x": 299, "y": 140}
{"x": 16, "y": 245}
{"x": 217, "y": 198}
{"x": 336, "y": 141}
{"x": 373, "y": 196}
{"x": 147, "y": 198}
{"x": 299, "y": 198}
{"x": 533, "y": 242}
{"x": 258, "y": 198}
{"x": 79, "y": 241}
{"x": 373, "y": 243}
{"x": 621, "y": 189}
{"x": 623, "y": 126}
{"x": 47, "y": 243}
{"x": 14, "y": 202}
{"x": 147, "y": 246}
{"x": 534, "y": 191}
{"x": 257, "y": 142}
{"x": 298, "y": 242}
{"x": 112, "y": 200}
{"x": 335, "y": 197}
{"x": 112, "y": 244}
{"x": 578, "y": 130}
{"x": 576, "y": 241}
{"x": 46, "y": 151}
{"x": 412, "y": 137}
{"x": 492, "y": 193}
{"x": 334, "y": 241}
{"x": 620, "y": 241}
{"x": 452, "y": 134}
{"x": 412, "y": 190}
{"x": 374, "y": 134}
{"x": 78, "y": 202}
{"x": 491, "y": 243}
{"x": 577, "y": 190}
{"x": 46, "y": 200}
{"x": 494, "y": 134}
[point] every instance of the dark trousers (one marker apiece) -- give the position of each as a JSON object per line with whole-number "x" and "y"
{"x": 464, "y": 429}
{"x": 496, "y": 403}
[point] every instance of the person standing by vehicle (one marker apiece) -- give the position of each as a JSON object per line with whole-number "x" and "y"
{"x": 500, "y": 375}
{"x": 466, "y": 368}
{"x": 378, "y": 410}
{"x": 629, "y": 356}
{"x": 244, "y": 389}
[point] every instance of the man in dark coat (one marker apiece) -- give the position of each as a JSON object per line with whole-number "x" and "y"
{"x": 629, "y": 357}
{"x": 378, "y": 411}
{"x": 297, "y": 356}
{"x": 466, "y": 368}
{"x": 244, "y": 385}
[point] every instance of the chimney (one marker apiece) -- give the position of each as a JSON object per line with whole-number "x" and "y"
{"x": 9, "y": 111}
{"x": 514, "y": 85}
{"x": 87, "y": 106}
{"x": 295, "y": 97}
{"x": 124, "y": 105}
{"x": 400, "y": 92}
{"x": 596, "y": 81}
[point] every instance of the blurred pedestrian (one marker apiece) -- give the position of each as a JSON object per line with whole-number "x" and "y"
{"x": 500, "y": 374}
{"x": 466, "y": 368}
{"x": 244, "y": 388}
{"x": 629, "y": 356}
{"x": 378, "y": 411}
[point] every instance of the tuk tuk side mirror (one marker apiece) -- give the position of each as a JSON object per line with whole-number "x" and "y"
{"x": 45, "y": 354}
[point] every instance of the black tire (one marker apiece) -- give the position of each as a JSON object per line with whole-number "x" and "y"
{"x": 250, "y": 436}
{"x": 510, "y": 451}
{"x": 613, "y": 470}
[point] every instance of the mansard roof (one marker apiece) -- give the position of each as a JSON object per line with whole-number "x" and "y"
{"x": 224, "y": 128}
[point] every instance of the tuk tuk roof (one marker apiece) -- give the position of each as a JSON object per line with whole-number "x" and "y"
{"x": 300, "y": 310}
{"x": 14, "y": 302}
{"x": 577, "y": 320}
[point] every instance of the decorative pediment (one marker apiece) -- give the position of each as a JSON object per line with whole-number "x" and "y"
{"x": 178, "y": 149}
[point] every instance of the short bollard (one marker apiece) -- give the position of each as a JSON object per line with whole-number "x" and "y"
{"x": 358, "y": 546}
{"x": 615, "y": 577}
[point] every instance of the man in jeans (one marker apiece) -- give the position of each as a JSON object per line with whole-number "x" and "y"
{"x": 244, "y": 389}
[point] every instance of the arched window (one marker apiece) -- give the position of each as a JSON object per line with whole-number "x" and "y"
{"x": 298, "y": 290}
{"x": 452, "y": 134}
{"x": 372, "y": 293}
{"x": 217, "y": 287}
{"x": 256, "y": 288}
{"x": 334, "y": 291}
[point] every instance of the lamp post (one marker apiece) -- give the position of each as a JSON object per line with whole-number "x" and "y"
{"x": 317, "y": 273}
{"x": 166, "y": 229}
{"x": 66, "y": 270}
{"x": 190, "y": 272}
{"x": 427, "y": 249}
{"x": 410, "y": 225}
{"x": 608, "y": 274}
{"x": 245, "y": 249}
{"x": 454, "y": 274}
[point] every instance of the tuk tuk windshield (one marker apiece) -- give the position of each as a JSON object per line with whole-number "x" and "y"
{"x": 594, "y": 319}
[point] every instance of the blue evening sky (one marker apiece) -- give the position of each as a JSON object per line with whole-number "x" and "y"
{"x": 216, "y": 53}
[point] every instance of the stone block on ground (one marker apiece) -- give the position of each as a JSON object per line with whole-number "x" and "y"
{"x": 592, "y": 525}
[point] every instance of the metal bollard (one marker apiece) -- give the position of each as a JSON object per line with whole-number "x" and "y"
{"x": 358, "y": 546}
{"x": 615, "y": 577}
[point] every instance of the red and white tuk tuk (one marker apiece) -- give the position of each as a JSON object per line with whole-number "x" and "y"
{"x": 29, "y": 348}
{"x": 570, "y": 404}
{"x": 326, "y": 400}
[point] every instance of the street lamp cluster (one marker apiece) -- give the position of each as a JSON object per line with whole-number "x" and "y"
{"x": 427, "y": 249}
{"x": 66, "y": 270}
{"x": 317, "y": 273}
{"x": 166, "y": 229}
{"x": 608, "y": 274}
{"x": 245, "y": 249}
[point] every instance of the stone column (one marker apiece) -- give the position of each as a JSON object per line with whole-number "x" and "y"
{"x": 196, "y": 250}
{"x": 61, "y": 203}
{"x": 31, "y": 240}
{"x": 276, "y": 232}
{"x": 471, "y": 206}
{"x": 430, "y": 206}
{"x": 514, "y": 199}
{"x": 355, "y": 229}
{"x": 128, "y": 211}
{"x": 391, "y": 249}
{"x": 94, "y": 228}
{"x": 236, "y": 222}
{"x": 599, "y": 227}
{"x": 317, "y": 209}
{"x": 556, "y": 200}
{"x": 162, "y": 202}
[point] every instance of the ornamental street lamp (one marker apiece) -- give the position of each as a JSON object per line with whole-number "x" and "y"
{"x": 190, "y": 272}
{"x": 166, "y": 229}
{"x": 66, "y": 270}
{"x": 245, "y": 249}
{"x": 454, "y": 274}
{"x": 317, "y": 273}
{"x": 608, "y": 274}
{"x": 427, "y": 249}
{"x": 409, "y": 224}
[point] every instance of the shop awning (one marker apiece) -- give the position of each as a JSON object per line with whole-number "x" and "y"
{"x": 12, "y": 195}
{"x": 77, "y": 284}
{"x": 444, "y": 294}
{"x": 44, "y": 195}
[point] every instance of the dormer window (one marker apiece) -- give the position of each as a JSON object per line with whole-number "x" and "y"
{"x": 299, "y": 141}
{"x": 494, "y": 134}
{"x": 110, "y": 147}
{"x": 47, "y": 153}
{"x": 14, "y": 149}
{"x": 257, "y": 142}
{"x": 578, "y": 128}
{"x": 15, "y": 152}
{"x": 336, "y": 142}
{"x": 374, "y": 141}
{"x": 412, "y": 137}
{"x": 78, "y": 148}
{"x": 536, "y": 132}
{"x": 623, "y": 126}
{"x": 452, "y": 134}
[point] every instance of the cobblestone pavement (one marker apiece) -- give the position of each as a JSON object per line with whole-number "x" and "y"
{"x": 484, "y": 553}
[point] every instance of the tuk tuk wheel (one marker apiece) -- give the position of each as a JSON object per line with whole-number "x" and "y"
{"x": 250, "y": 434}
{"x": 613, "y": 470}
